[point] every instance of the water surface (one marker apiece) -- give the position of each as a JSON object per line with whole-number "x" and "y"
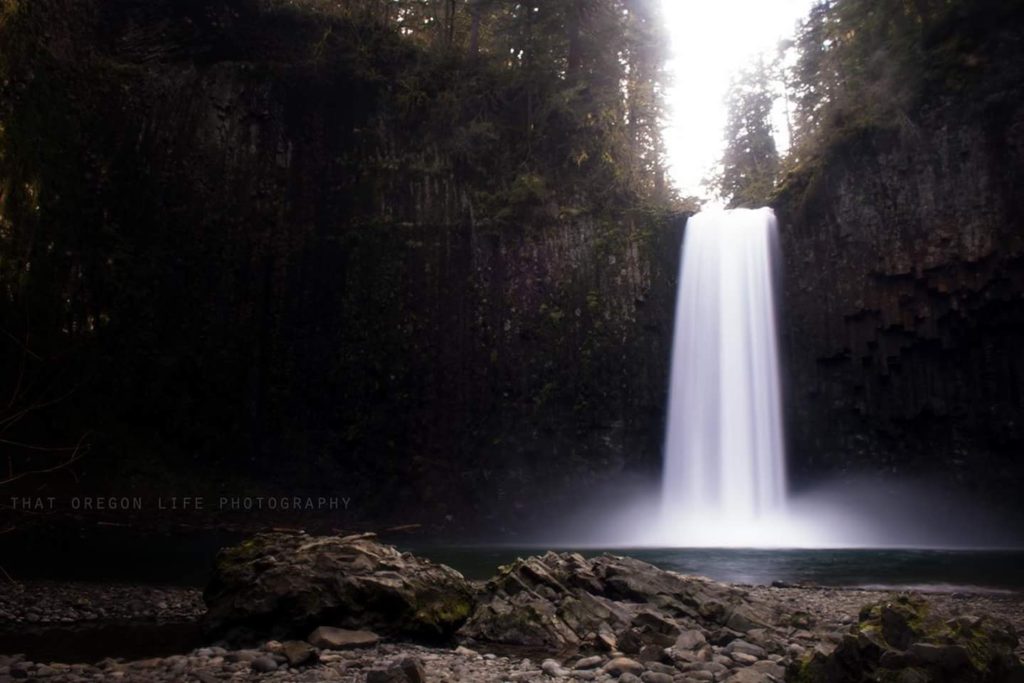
{"x": 938, "y": 570}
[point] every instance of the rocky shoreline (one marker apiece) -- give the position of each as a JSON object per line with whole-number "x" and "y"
{"x": 556, "y": 616}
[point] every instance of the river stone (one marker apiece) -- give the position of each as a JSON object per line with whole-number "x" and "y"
{"x": 298, "y": 652}
{"x": 743, "y": 646}
{"x": 283, "y": 584}
{"x": 690, "y": 639}
{"x": 264, "y": 664}
{"x": 655, "y": 677}
{"x": 394, "y": 674}
{"x": 331, "y": 638}
{"x": 553, "y": 668}
{"x": 750, "y": 676}
{"x": 621, "y": 665}
{"x": 651, "y": 653}
{"x": 413, "y": 669}
{"x": 743, "y": 659}
{"x": 589, "y": 662}
{"x": 658, "y": 667}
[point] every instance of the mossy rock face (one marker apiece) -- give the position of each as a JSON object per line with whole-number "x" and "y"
{"x": 903, "y": 641}
{"x": 286, "y": 584}
{"x": 899, "y": 622}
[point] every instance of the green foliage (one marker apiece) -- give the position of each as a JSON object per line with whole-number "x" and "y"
{"x": 862, "y": 64}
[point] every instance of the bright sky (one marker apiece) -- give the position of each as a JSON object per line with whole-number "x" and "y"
{"x": 711, "y": 40}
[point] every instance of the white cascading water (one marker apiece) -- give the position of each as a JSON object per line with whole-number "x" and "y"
{"x": 724, "y": 480}
{"x": 724, "y": 475}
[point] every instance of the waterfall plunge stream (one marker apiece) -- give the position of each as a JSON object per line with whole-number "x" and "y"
{"x": 724, "y": 456}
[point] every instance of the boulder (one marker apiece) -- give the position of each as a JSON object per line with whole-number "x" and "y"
{"x": 283, "y": 584}
{"x": 901, "y": 640}
{"x": 565, "y": 601}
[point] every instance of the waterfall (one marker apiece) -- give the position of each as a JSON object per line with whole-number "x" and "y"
{"x": 724, "y": 457}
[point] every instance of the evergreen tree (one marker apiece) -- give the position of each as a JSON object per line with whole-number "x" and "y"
{"x": 750, "y": 163}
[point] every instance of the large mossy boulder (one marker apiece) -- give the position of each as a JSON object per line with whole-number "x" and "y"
{"x": 566, "y": 601}
{"x": 903, "y": 641}
{"x": 285, "y": 584}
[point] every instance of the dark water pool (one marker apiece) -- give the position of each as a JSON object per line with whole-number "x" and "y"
{"x": 920, "y": 569}
{"x": 125, "y": 555}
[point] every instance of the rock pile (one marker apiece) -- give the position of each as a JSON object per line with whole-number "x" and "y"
{"x": 565, "y": 601}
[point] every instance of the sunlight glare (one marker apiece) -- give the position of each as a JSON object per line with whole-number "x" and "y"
{"x": 712, "y": 40}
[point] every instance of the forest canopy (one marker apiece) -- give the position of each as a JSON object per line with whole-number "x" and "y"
{"x": 852, "y": 64}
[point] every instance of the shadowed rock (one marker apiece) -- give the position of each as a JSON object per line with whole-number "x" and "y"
{"x": 901, "y": 641}
{"x": 286, "y": 584}
{"x": 566, "y": 601}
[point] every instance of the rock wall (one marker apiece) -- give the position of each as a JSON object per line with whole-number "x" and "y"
{"x": 904, "y": 290}
{"x": 292, "y": 281}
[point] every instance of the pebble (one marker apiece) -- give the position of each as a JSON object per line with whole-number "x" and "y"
{"x": 589, "y": 662}
{"x": 623, "y": 665}
{"x": 655, "y": 677}
{"x": 553, "y": 668}
{"x": 743, "y": 659}
{"x": 50, "y": 602}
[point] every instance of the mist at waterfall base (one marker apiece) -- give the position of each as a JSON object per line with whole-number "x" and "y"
{"x": 724, "y": 477}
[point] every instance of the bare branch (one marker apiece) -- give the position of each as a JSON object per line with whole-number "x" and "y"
{"x": 75, "y": 455}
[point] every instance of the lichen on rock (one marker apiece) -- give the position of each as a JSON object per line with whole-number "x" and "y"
{"x": 902, "y": 641}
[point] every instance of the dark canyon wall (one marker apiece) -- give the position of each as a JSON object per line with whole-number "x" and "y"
{"x": 904, "y": 282}
{"x": 259, "y": 249}
{"x": 259, "y": 261}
